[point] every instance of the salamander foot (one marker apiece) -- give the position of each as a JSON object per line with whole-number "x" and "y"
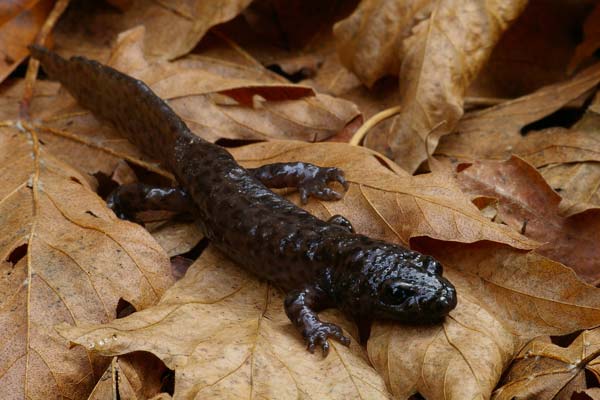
{"x": 316, "y": 185}
{"x": 318, "y": 333}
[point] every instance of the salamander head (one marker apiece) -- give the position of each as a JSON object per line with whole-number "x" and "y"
{"x": 414, "y": 291}
{"x": 403, "y": 285}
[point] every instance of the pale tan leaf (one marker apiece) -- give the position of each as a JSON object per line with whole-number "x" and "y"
{"x": 226, "y": 336}
{"x": 173, "y": 27}
{"x": 448, "y": 44}
{"x": 506, "y": 297}
{"x": 494, "y": 133}
{"x": 543, "y": 370}
{"x": 405, "y": 206}
{"x": 65, "y": 258}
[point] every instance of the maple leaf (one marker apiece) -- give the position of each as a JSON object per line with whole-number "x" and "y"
{"x": 19, "y": 23}
{"x": 436, "y": 47}
{"x": 66, "y": 257}
{"x": 203, "y": 91}
{"x": 493, "y": 282}
{"x": 547, "y": 371}
{"x": 495, "y": 132}
{"x": 530, "y": 206}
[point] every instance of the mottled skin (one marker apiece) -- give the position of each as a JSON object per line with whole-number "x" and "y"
{"x": 318, "y": 263}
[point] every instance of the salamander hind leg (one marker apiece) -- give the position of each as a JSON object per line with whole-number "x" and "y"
{"x": 301, "y": 307}
{"x": 129, "y": 199}
{"x": 310, "y": 179}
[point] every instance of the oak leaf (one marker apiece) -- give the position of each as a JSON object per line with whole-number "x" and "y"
{"x": 65, "y": 257}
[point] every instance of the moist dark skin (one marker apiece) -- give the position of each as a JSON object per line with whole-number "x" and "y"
{"x": 319, "y": 264}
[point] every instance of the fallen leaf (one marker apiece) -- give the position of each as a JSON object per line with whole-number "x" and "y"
{"x": 65, "y": 257}
{"x": 577, "y": 182}
{"x": 195, "y": 87}
{"x": 405, "y": 206}
{"x": 591, "y": 40}
{"x": 528, "y": 204}
{"x": 543, "y": 370}
{"x": 506, "y": 297}
{"x": 176, "y": 237}
{"x": 424, "y": 205}
{"x": 522, "y": 61}
{"x": 443, "y": 46}
{"x": 495, "y": 132}
{"x": 226, "y": 336}
{"x": 19, "y": 24}
{"x": 173, "y": 27}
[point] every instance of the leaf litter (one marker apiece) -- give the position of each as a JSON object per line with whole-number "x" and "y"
{"x": 501, "y": 228}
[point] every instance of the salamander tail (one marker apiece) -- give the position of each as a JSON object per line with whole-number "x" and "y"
{"x": 128, "y": 103}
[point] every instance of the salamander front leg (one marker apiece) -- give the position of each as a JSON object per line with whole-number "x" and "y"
{"x": 310, "y": 179}
{"x": 128, "y": 199}
{"x": 301, "y": 307}
{"x": 341, "y": 221}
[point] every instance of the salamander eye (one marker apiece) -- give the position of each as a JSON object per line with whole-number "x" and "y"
{"x": 396, "y": 291}
{"x": 433, "y": 266}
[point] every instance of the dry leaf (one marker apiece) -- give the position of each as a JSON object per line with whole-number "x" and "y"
{"x": 577, "y": 182}
{"x": 494, "y": 133}
{"x": 65, "y": 257}
{"x": 19, "y": 24}
{"x": 448, "y": 44}
{"x": 173, "y": 27}
{"x": 543, "y": 370}
{"x": 379, "y": 203}
{"x": 226, "y": 336}
{"x": 193, "y": 86}
{"x": 528, "y": 205}
{"x": 522, "y": 61}
{"x": 506, "y": 297}
{"x": 405, "y": 206}
{"x": 591, "y": 40}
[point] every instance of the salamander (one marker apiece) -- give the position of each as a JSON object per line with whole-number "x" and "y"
{"x": 319, "y": 264}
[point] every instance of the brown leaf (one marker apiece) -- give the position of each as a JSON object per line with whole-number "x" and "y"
{"x": 173, "y": 27}
{"x": 591, "y": 40}
{"x": 404, "y": 206}
{"x": 577, "y": 182}
{"x": 506, "y": 297}
{"x": 448, "y": 44}
{"x": 494, "y": 133}
{"x": 226, "y": 336}
{"x": 528, "y": 205}
{"x": 19, "y": 24}
{"x": 66, "y": 257}
{"x": 135, "y": 376}
{"x": 543, "y": 370}
{"x": 194, "y": 87}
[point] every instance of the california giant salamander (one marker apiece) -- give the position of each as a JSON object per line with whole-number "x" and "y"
{"x": 318, "y": 263}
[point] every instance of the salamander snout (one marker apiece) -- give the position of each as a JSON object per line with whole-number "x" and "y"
{"x": 418, "y": 297}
